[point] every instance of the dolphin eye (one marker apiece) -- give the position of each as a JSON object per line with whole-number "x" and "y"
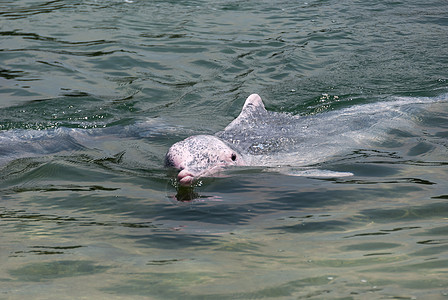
{"x": 233, "y": 157}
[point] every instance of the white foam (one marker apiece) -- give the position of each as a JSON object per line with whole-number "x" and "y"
{"x": 317, "y": 173}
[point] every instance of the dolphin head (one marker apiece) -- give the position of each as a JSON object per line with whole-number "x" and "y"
{"x": 199, "y": 156}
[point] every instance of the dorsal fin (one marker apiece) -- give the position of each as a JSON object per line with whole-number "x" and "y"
{"x": 252, "y": 102}
{"x": 252, "y": 105}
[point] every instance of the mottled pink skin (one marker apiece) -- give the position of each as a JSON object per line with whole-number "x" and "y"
{"x": 204, "y": 155}
{"x": 199, "y": 156}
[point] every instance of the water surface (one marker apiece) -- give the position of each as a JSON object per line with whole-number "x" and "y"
{"x": 92, "y": 94}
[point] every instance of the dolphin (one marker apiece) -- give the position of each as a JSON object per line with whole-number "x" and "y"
{"x": 256, "y": 137}
{"x": 201, "y": 156}
{"x": 294, "y": 144}
{"x": 204, "y": 155}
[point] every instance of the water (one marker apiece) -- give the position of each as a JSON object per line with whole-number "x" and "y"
{"x": 94, "y": 92}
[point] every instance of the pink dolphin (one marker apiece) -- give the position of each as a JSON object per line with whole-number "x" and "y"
{"x": 204, "y": 155}
{"x": 281, "y": 141}
{"x": 199, "y": 156}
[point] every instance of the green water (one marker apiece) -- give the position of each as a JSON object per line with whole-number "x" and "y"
{"x": 93, "y": 93}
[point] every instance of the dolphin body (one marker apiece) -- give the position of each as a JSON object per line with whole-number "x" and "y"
{"x": 258, "y": 137}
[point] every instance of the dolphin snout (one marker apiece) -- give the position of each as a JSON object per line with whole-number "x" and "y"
{"x": 185, "y": 178}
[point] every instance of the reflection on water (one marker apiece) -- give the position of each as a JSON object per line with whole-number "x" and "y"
{"x": 186, "y": 194}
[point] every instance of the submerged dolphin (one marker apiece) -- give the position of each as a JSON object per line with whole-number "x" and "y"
{"x": 258, "y": 137}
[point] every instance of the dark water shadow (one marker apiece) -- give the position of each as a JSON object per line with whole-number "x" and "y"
{"x": 44, "y": 271}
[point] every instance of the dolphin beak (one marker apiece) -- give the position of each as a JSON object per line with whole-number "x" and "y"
{"x": 185, "y": 178}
